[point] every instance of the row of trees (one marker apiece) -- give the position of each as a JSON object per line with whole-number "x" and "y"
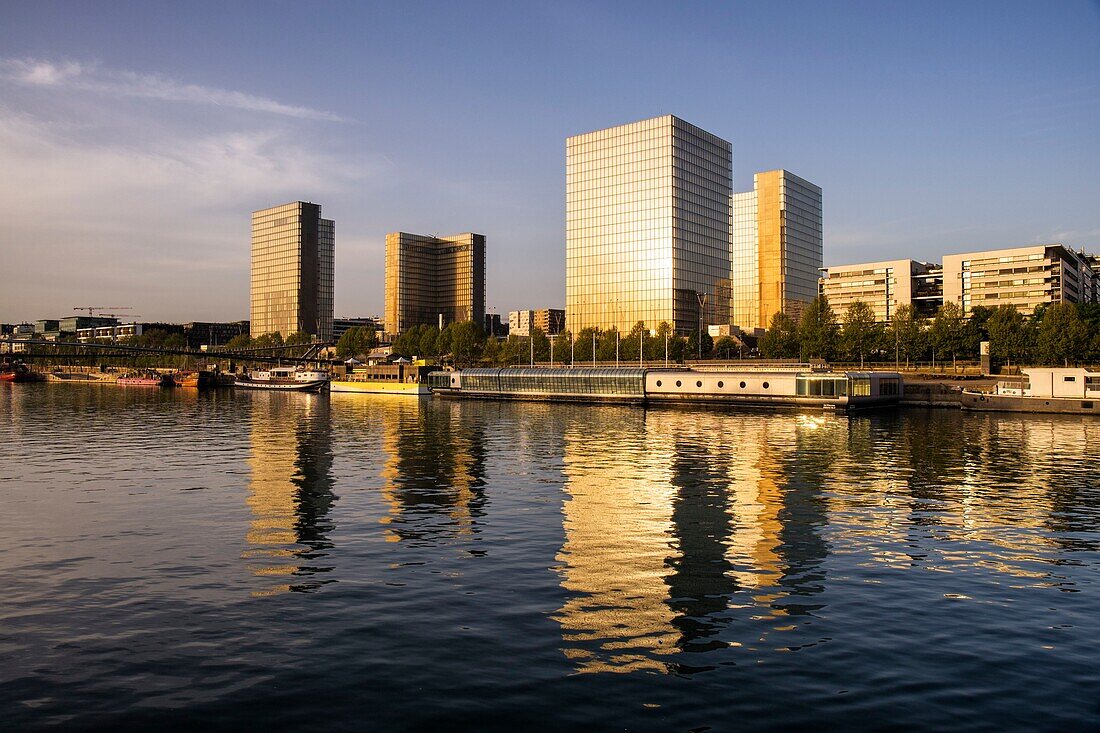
{"x": 1062, "y": 333}
{"x": 466, "y": 344}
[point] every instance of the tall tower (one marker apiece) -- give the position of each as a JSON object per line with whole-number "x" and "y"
{"x": 775, "y": 249}
{"x": 429, "y": 279}
{"x": 293, "y": 256}
{"x": 647, "y": 225}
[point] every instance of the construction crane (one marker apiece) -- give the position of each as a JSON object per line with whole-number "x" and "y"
{"x": 101, "y": 308}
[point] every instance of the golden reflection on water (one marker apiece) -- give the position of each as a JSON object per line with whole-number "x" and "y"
{"x": 289, "y": 490}
{"x": 434, "y": 470}
{"x": 675, "y": 519}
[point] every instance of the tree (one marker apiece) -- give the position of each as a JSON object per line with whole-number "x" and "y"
{"x": 298, "y": 338}
{"x": 861, "y": 332}
{"x": 466, "y": 341}
{"x": 818, "y": 331}
{"x": 1063, "y": 335}
{"x": 607, "y": 343}
{"x": 239, "y": 342}
{"x": 726, "y": 346}
{"x": 562, "y": 343}
{"x": 356, "y": 340}
{"x": 541, "y": 344}
{"x": 780, "y": 341}
{"x": 1010, "y": 334}
{"x": 948, "y": 333}
{"x": 583, "y": 347}
{"x": 906, "y": 333}
{"x": 267, "y": 340}
{"x": 698, "y": 342}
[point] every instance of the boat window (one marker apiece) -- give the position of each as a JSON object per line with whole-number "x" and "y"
{"x": 720, "y": 385}
{"x": 742, "y": 385}
{"x": 658, "y": 382}
{"x": 678, "y": 383}
{"x": 699, "y": 384}
{"x": 765, "y": 385}
{"x": 1069, "y": 379}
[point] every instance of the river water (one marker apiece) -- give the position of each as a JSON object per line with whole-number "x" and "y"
{"x": 251, "y": 560}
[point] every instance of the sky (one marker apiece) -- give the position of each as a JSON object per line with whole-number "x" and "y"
{"x": 136, "y": 138}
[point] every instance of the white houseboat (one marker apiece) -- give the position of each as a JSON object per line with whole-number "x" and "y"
{"x": 285, "y": 379}
{"x": 1045, "y": 389}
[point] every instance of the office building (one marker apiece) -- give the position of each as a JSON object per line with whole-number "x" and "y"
{"x": 494, "y": 326}
{"x": 434, "y": 280}
{"x": 340, "y": 326}
{"x": 293, "y": 253}
{"x": 885, "y": 286}
{"x": 647, "y": 225}
{"x": 550, "y": 321}
{"x": 775, "y": 250}
{"x": 201, "y": 334}
{"x": 1023, "y": 277}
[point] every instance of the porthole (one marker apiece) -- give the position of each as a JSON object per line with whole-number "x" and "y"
{"x": 699, "y": 384}
{"x": 719, "y": 385}
{"x": 765, "y": 385}
{"x": 742, "y": 385}
{"x": 454, "y": 380}
{"x": 658, "y": 382}
{"x": 677, "y": 382}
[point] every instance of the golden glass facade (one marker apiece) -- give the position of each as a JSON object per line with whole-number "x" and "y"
{"x": 647, "y": 225}
{"x": 775, "y": 250}
{"x": 432, "y": 277}
{"x": 293, "y": 261}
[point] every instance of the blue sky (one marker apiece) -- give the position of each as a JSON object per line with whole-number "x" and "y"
{"x": 135, "y": 138}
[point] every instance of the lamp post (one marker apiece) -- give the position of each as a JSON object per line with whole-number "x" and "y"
{"x": 666, "y": 348}
{"x": 593, "y": 348}
{"x": 531, "y": 341}
{"x": 641, "y": 348}
{"x": 702, "y": 298}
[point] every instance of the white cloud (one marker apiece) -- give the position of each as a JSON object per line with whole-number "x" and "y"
{"x": 92, "y": 78}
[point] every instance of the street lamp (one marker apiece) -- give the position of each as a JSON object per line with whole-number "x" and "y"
{"x": 702, "y": 298}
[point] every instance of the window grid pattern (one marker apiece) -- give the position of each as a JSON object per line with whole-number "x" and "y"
{"x": 428, "y": 277}
{"x": 647, "y": 224}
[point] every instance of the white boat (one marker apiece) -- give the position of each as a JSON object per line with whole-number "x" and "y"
{"x": 285, "y": 379}
{"x": 1043, "y": 389}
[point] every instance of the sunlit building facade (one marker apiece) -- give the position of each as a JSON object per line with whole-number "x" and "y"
{"x": 885, "y": 286}
{"x": 434, "y": 280}
{"x": 647, "y": 225}
{"x": 775, "y": 248}
{"x": 1023, "y": 277}
{"x": 293, "y": 256}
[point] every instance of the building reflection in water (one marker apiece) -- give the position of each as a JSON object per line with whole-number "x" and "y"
{"x": 434, "y": 474}
{"x": 290, "y": 492}
{"x": 676, "y": 522}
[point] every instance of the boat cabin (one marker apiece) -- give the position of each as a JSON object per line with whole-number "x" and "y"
{"x": 1070, "y": 383}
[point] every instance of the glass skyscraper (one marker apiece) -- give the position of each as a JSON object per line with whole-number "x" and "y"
{"x": 647, "y": 226}
{"x": 293, "y": 254}
{"x": 429, "y": 279}
{"x": 776, "y": 248}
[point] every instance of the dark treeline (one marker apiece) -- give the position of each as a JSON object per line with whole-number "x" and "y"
{"x": 466, "y": 344}
{"x": 1059, "y": 334}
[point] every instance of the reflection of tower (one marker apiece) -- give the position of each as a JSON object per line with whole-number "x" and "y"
{"x": 434, "y": 472}
{"x": 290, "y": 492}
{"x": 702, "y": 580}
{"x": 617, "y": 521}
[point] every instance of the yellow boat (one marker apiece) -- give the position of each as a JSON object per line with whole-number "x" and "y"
{"x": 397, "y": 379}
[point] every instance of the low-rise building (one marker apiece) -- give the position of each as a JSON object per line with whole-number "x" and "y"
{"x": 340, "y": 326}
{"x": 885, "y": 286}
{"x": 204, "y": 333}
{"x": 1023, "y": 277}
{"x": 550, "y": 321}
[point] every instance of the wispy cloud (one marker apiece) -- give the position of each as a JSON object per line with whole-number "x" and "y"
{"x": 77, "y": 76}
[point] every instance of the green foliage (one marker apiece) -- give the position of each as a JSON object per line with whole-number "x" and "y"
{"x": 906, "y": 333}
{"x": 298, "y": 338}
{"x": 818, "y": 331}
{"x": 1063, "y": 335}
{"x": 861, "y": 332}
{"x": 267, "y": 340}
{"x": 353, "y": 342}
{"x": 780, "y": 341}
{"x": 562, "y": 344}
{"x": 465, "y": 340}
{"x": 727, "y": 347}
{"x": 698, "y": 342}
{"x": 583, "y": 348}
{"x": 948, "y": 334}
{"x": 1010, "y": 334}
{"x": 241, "y": 341}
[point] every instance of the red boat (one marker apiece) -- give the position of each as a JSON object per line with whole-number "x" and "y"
{"x": 19, "y": 372}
